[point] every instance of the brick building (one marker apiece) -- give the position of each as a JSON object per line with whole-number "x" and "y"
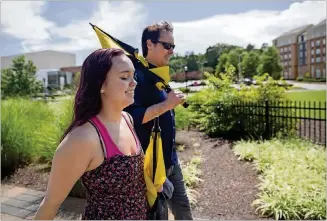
{"x": 316, "y": 59}
{"x": 303, "y": 51}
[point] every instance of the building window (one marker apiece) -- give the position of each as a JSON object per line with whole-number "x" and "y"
{"x": 318, "y": 73}
{"x": 312, "y": 60}
{"x": 324, "y": 59}
{"x": 312, "y": 70}
{"x": 324, "y": 41}
{"x": 312, "y": 44}
{"x": 318, "y": 59}
{"x": 324, "y": 73}
{"x": 53, "y": 79}
{"x": 301, "y": 46}
{"x": 317, "y": 43}
{"x": 318, "y": 51}
{"x": 324, "y": 50}
{"x": 312, "y": 52}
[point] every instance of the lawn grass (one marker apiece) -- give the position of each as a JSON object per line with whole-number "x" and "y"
{"x": 312, "y": 99}
{"x": 309, "y": 95}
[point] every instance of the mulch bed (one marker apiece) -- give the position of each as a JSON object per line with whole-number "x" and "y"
{"x": 227, "y": 190}
{"x": 229, "y": 186}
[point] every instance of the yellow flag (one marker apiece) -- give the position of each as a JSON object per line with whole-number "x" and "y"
{"x": 160, "y": 174}
{"x": 108, "y": 41}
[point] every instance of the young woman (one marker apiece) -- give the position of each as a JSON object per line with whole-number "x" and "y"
{"x": 100, "y": 146}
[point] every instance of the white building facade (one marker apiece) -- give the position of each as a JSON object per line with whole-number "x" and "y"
{"x": 48, "y": 64}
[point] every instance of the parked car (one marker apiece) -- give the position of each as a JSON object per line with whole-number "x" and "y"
{"x": 247, "y": 81}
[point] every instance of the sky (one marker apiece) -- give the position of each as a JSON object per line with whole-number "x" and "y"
{"x": 28, "y": 26}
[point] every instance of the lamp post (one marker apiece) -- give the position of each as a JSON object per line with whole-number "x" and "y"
{"x": 44, "y": 89}
{"x": 185, "y": 69}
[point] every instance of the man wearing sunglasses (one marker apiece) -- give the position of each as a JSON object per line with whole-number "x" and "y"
{"x": 149, "y": 102}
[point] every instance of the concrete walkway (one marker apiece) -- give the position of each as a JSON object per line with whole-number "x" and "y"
{"x": 19, "y": 203}
{"x": 309, "y": 86}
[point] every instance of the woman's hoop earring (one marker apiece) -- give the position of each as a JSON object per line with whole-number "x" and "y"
{"x": 102, "y": 91}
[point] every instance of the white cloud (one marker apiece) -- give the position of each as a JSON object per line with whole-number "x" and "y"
{"x": 23, "y": 20}
{"x": 124, "y": 20}
{"x": 255, "y": 27}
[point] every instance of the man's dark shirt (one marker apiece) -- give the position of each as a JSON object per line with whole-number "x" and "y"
{"x": 146, "y": 95}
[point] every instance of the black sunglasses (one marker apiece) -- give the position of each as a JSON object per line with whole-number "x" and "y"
{"x": 166, "y": 45}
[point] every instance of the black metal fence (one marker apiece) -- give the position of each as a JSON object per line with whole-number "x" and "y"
{"x": 267, "y": 119}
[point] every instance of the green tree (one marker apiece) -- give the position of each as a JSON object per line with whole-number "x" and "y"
{"x": 177, "y": 64}
{"x": 270, "y": 63}
{"x": 250, "y": 63}
{"x": 213, "y": 53}
{"x": 76, "y": 80}
{"x": 250, "y": 47}
{"x": 191, "y": 62}
{"x": 20, "y": 79}
{"x": 233, "y": 57}
{"x": 221, "y": 66}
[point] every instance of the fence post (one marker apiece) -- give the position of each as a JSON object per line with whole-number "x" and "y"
{"x": 267, "y": 120}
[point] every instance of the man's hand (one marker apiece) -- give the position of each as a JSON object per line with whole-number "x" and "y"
{"x": 174, "y": 98}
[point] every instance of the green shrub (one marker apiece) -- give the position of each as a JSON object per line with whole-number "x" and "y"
{"x": 307, "y": 75}
{"x": 31, "y": 131}
{"x": 183, "y": 117}
{"x": 185, "y": 90}
{"x": 222, "y": 110}
{"x": 63, "y": 111}
{"x": 22, "y": 121}
{"x": 309, "y": 79}
{"x": 191, "y": 174}
{"x": 292, "y": 175}
{"x": 205, "y": 104}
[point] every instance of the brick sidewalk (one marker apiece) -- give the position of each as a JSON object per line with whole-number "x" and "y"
{"x": 21, "y": 203}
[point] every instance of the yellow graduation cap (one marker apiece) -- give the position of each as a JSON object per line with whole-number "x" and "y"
{"x": 154, "y": 165}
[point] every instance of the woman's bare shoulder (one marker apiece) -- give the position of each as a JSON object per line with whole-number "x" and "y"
{"x": 81, "y": 138}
